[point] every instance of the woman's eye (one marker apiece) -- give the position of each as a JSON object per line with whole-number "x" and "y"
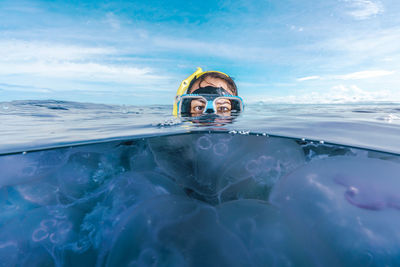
{"x": 198, "y": 108}
{"x": 223, "y": 109}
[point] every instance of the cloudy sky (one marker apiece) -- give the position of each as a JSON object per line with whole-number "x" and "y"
{"x": 137, "y": 52}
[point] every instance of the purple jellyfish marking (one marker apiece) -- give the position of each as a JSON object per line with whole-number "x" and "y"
{"x": 55, "y": 230}
{"x": 252, "y": 167}
{"x": 220, "y": 149}
{"x": 39, "y": 234}
{"x": 204, "y": 143}
{"x": 367, "y": 194}
{"x": 54, "y": 238}
{"x": 46, "y": 224}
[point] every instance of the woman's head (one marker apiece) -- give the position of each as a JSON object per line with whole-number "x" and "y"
{"x": 214, "y": 79}
{"x": 210, "y": 93}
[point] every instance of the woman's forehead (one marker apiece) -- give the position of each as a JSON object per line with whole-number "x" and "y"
{"x": 197, "y": 100}
{"x": 211, "y": 81}
{"x": 222, "y": 101}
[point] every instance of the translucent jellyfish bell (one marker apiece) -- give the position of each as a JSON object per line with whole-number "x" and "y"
{"x": 174, "y": 231}
{"x": 266, "y": 234}
{"x": 24, "y": 167}
{"x": 219, "y": 167}
{"x": 350, "y": 205}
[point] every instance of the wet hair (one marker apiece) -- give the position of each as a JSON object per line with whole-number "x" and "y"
{"x": 231, "y": 84}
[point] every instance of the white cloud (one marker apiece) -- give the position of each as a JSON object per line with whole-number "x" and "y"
{"x": 364, "y": 75}
{"x": 222, "y": 49}
{"x": 352, "y": 93}
{"x": 364, "y": 9}
{"x": 309, "y": 78}
{"x": 335, "y": 95}
{"x": 372, "y": 43}
{"x": 31, "y": 60}
{"x": 371, "y": 49}
{"x": 360, "y": 75}
{"x": 296, "y": 28}
{"x": 24, "y": 89}
{"x": 113, "y": 21}
{"x": 17, "y": 50}
{"x": 91, "y": 71}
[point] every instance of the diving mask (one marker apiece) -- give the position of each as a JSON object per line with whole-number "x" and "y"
{"x": 209, "y": 100}
{"x": 185, "y": 84}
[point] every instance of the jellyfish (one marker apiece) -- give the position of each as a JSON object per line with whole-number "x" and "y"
{"x": 220, "y": 167}
{"x": 348, "y": 205}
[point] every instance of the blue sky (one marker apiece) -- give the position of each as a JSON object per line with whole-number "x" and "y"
{"x": 137, "y": 52}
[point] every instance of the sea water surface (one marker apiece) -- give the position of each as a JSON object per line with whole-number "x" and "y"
{"x": 283, "y": 185}
{"x": 40, "y": 124}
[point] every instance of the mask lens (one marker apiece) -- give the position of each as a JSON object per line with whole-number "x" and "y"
{"x": 193, "y": 106}
{"x": 227, "y": 106}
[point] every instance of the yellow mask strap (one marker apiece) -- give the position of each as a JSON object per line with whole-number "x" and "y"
{"x": 185, "y": 84}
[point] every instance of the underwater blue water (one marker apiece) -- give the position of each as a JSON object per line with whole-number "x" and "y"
{"x": 283, "y": 185}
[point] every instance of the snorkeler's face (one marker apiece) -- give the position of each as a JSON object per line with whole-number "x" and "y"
{"x": 211, "y": 81}
{"x": 223, "y": 107}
